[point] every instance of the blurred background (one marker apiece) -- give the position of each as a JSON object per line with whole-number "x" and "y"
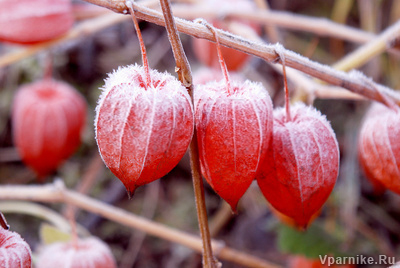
{"x": 356, "y": 220}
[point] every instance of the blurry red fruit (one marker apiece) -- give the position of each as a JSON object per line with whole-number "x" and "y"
{"x": 33, "y": 21}
{"x": 84, "y": 253}
{"x": 302, "y": 163}
{"x": 142, "y": 130}
{"x": 14, "y": 251}
{"x": 48, "y": 118}
{"x": 233, "y": 130}
{"x": 206, "y": 51}
{"x": 379, "y": 147}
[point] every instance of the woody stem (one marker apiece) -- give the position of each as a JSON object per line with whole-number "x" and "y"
{"x": 184, "y": 73}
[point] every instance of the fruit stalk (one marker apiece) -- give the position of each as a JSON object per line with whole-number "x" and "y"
{"x": 287, "y": 101}
{"x": 3, "y": 222}
{"x": 184, "y": 73}
{"x": 221, "y": 60}
{"x": 141, "y": 42}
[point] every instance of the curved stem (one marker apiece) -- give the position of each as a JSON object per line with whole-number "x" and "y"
{"x": 279, "y": 50}
{"x": 3, "y": 222}
{"x": 221, "y": 60}
{"x": 142, "y": 46}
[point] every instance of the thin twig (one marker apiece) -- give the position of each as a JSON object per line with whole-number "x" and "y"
{"x": 185, "y": 76}
{"x": 271, "y": 30}
{"x": 42, "y": 212}
{"x": 371, "y": 49}
{"x": 82, "y": 29}
{"x": 57, "y": 193}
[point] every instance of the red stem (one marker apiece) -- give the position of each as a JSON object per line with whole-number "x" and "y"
{"x": 221, "y": 60}
{"x": 72, "y": 222}
{"x": 48, "y": 66}
{"x": 3, "y": 222}
{"x": 281, "y": 54}
{"x": 142, "y": 47}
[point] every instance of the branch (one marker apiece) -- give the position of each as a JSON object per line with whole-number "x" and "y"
{"x": 57, "y": 193}
{"x": 354, "y": 82}
{"x": 319, "y": 26}
{"x": 266, "y": 52}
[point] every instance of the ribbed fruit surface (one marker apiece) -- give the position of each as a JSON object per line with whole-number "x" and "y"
{"x": 233, "y": 131}
{"x": 33, "y": 21}
{"x": 143, "y": 131}
{"x": 379, "y": 147}
{"x": 302, "y": 163}
{"x": 48, "y": 118}
{"x": 86, "y": 253}
{"x": 14, "y": 251}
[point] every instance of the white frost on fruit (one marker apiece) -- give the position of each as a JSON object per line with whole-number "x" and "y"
{"x": 86, "y": 253}
{"x": 14, "y": 251}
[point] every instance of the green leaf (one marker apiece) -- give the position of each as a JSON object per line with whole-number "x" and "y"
{"x": 50, "y": 234}
{"x": 311, "y": 243}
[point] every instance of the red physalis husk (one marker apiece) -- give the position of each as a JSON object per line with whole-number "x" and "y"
{"x": 14, "y": 251}
{"x": 48, "y": 118}
{"x": 83, "y": 253}
{"x": 379, "y": 148}
{"x": 233, "y": 130}
{"x": 302, "y": 163}
{"x": 33, "y": 21}
{"x": 143, "y": 130}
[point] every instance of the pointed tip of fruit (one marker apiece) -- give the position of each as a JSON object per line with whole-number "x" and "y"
{"x": 41, "y": 178}
{"x": 302, "y": 225}
{"x": 234, "y": 208}
{"x": 130, "y": 191}
{"x": 301, "y": 228}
